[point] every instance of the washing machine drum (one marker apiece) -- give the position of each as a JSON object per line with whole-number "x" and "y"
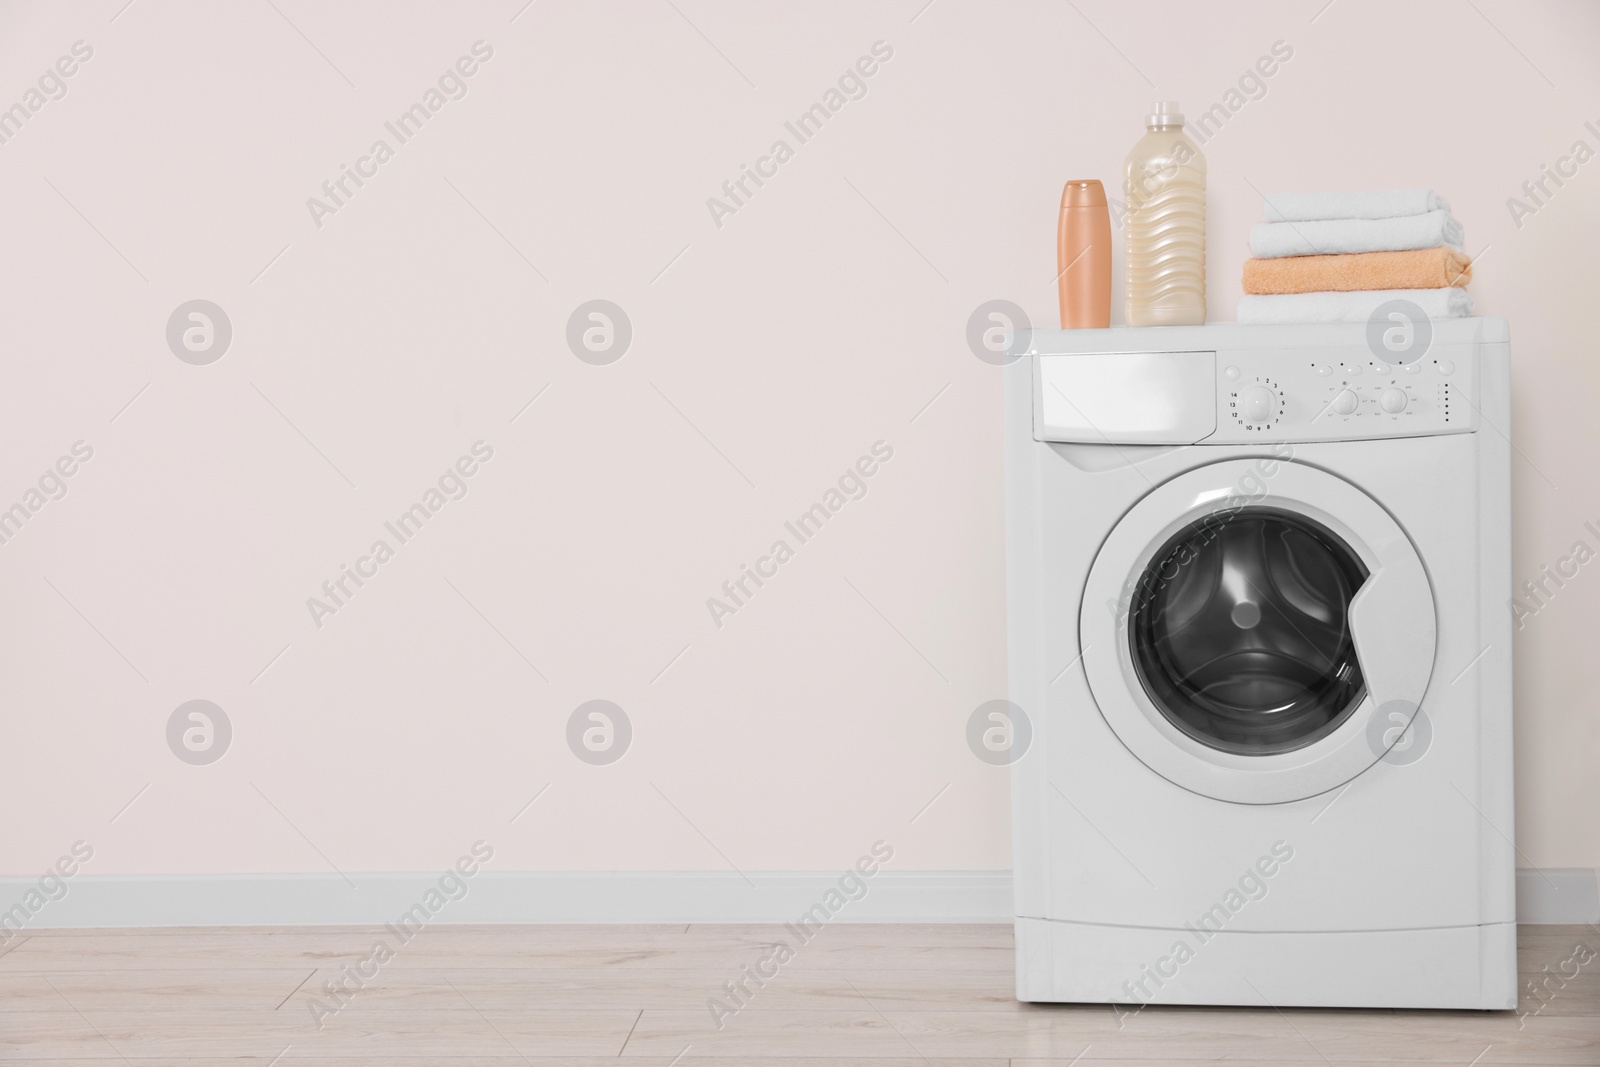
{"x": 1244, "y": 622}
{"x": 1240, "y": 630}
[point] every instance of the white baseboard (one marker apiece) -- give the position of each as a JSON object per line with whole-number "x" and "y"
{"x": 1558, "y": 896}
{"x": 516, "y": 897}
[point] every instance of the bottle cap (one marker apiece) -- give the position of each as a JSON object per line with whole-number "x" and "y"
{"x": 1166, "y": 113}
{"x": 1086, "y": 192}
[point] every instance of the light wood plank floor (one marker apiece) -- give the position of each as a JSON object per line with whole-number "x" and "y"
{"x": 551, "y": 996}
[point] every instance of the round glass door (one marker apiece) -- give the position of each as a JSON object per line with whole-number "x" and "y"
{"x": 1240, "y": 631}
{"x": 1239, "y": 644}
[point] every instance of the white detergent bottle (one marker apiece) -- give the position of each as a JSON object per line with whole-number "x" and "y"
{"x": 1164, "y": 181}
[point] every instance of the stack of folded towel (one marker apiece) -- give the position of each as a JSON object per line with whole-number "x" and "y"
{"x": 1336, "y": 257}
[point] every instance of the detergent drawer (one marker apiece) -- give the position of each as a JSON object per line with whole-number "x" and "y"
{"x": 1136, "y": 398}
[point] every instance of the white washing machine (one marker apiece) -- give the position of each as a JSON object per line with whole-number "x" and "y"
{"x": 1259, "y": 586}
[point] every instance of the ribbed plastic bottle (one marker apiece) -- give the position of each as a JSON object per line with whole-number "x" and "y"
{"x": 1164, "y": 181}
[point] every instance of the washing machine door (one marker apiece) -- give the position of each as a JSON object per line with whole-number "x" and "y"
{"x": 1244, "y": 623}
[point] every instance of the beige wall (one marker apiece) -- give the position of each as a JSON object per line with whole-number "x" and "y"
{"x": 769, "y": 353}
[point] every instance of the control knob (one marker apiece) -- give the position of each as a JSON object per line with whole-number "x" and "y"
{"x": 1393, "y": 401}
{"x": 1346, "y": 402}
{"x": 1258, "y": 404}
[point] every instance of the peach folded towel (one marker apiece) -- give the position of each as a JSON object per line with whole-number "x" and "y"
{"x": 1420, "y": 268}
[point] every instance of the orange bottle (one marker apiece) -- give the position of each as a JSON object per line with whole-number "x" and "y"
{"x": 1083, "y": 256}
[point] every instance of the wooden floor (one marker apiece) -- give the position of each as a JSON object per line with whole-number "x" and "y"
{"x": 890, "y": 996}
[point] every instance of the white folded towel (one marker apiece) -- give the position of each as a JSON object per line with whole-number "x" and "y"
{"x": 1375, "y": 204}
{"x": 1269, "y": 240}
{"x": 1448, "y": 303}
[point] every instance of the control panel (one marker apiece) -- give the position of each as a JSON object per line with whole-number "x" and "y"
{"x": 1311, "y": 395}
{"x": 1236, "y": 384}
{"x": 1238, "y": 394}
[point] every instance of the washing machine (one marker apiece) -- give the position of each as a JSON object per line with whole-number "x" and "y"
{"x": 1258, "y": 587}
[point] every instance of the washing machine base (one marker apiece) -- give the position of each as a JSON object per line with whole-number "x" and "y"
{"x": 1446, "y": 967}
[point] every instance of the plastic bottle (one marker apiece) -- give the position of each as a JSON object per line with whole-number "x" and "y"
{"x": 1164, "y": 180}
{"x": 1083, "y": 256}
